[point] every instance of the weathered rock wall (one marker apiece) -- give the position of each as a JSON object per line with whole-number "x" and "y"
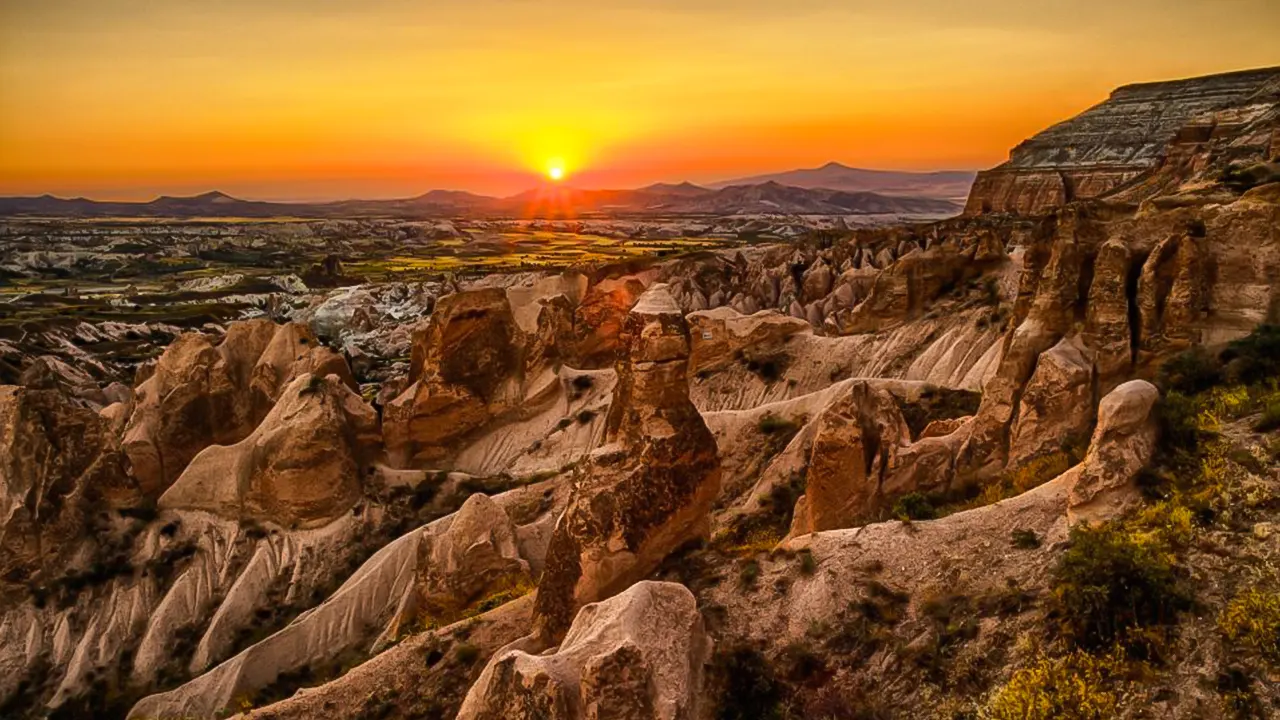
{"x": 1115, "y": 142}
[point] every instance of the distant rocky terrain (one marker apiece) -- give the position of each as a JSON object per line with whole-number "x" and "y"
{"x": 941, "y": 185}
{"x": 1018, "y": 464}
{"x": 553, "y": 202}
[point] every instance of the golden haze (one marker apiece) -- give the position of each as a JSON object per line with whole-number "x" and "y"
{"x": 337, "y": 98}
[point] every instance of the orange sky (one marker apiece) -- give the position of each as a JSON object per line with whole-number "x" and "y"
{"x": 309, "y": 99}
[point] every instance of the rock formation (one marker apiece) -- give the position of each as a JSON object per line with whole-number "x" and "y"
{"x": 639, "y": 654}
{"x": 1053, "y": 411}
{"x": 854, "y": 458}
{"x": 244, "y": 524}
{"x": 722, "y": 336}
{"x": 476, "y": 556}
{"x": 304, "y": 463}
{"x": 59, "y": 463}
{"x": 648, "y": 489}
{"x": 1122, "y": 444}
{"x": 472, "y": 364}
{"x": 203, "y": 394}
{"x": 1114, "y": 143}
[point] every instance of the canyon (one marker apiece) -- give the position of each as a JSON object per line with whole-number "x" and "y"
{"x": 833, "y": 472}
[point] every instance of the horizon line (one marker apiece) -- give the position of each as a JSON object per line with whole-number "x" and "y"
{"x": 754, "y": 179}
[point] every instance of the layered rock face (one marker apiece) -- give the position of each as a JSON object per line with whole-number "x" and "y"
{"x": 304, "y": 464}
{"x": 476, "y": 556}
{"x": 1118, "y": 141}
{"x": 59, "y": 463}
{"x": 854, "y": 457}
{"x": 639, "y": 654}
{"x": 474, "y": 363}
{"x": 203, "y": 394}
{"x": 648, "y": 489}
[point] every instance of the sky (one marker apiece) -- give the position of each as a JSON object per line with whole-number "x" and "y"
{"x": 326, "y": 99}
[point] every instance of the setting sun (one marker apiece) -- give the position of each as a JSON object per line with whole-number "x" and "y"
{"x": 556, "y": 172}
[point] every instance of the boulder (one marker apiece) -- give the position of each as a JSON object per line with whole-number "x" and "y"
{"x": 1122, "y": 444}
{"x": 636, "y": 656}
{"x": 650, "y": 487}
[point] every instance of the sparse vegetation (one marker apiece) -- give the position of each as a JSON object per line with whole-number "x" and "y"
{"x": 938, "y": 404}
{"x": 1024, "y": 539}
{"x": 750, "y": 689}
{"x": 1270, "y": 420}
{"x": 1077, "y": 686}
{"x": 466, "y": 653}
{"x": 761, "y": 531}
{"x": 808, "y": 564}
{"x": 771, "y": 424}
{"x": 1251, "y": 620}
{"x": 914, "y": 506}
{"x": 1242, "y": 178}
{"x": 1112, "y": 588}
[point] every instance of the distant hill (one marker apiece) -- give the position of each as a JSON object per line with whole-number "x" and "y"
{"x": 943, "y": 185}
{"x": 547, "y": 201}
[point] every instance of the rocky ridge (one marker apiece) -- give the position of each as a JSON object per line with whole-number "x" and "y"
{"x": 1138, "y": 131}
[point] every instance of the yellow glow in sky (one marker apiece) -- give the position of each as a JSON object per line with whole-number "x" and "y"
{"x": 306, "y": 99}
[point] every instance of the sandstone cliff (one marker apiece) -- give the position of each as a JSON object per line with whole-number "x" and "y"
{"x": 1129, "y": 136}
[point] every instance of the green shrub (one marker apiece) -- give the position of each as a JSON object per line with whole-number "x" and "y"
{"x": 1255, "y": 358}
{"x": 1024, "y": 539}
{"x": 761, "y": 531}
{"x": 1180, "y": 426}
{"x": 1190, "y": 371}
{"x": 1110, "y": 588}
{"x": 914, "y": 506}
{"x": 771, "y": 424}
{"x": 749, "y": 573}
{"x": 749, "y": 688}
{"x": 466, "y": 653}
{"x": 1240, "y": 177}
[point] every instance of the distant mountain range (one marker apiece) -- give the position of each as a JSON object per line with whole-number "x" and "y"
{"x": 552, "y": 201}
{"x": 944, "y": 185}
